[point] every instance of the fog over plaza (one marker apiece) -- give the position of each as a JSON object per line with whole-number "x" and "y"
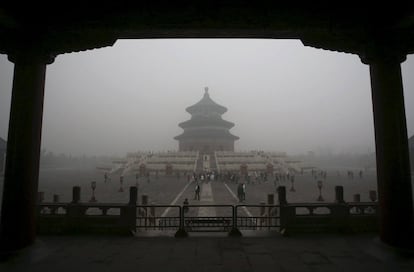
{"x": 281, "y": 95}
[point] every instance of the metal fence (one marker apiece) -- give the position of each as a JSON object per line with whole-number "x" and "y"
{"x": 158, "y": 217}
{"x": 257, "y": 217}
{"x": 208, "y": 218}
{"x": 124, "y": 218}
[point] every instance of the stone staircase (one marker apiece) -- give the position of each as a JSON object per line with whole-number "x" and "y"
{"x": 199, "y": 164}
{"x": 212, "y": 164}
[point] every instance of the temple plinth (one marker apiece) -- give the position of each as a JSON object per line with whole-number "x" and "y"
{"x": 206, "y": 131}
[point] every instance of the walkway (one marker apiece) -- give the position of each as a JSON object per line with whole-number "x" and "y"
{"x": 213, "y": 254}
{"x": 206, "y": 198}
{"x": 237, "y": 199}
{"x": 174, "y": 202}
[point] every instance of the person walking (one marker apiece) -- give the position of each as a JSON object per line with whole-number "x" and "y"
{"x": 197, "y": 192}
{"x": 240, "y": 192}
{"x": 243, "y": 191}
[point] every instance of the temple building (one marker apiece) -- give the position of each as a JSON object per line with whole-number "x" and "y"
{"x": 206, "y": 131}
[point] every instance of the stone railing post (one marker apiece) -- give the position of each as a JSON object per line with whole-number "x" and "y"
{"x": 129, "y": 212}
{"x": 340, "y": 211}
{"x": 76, "y": 193}
{"x": 357, "y": 198}
{"x": 74, "y": 209}
{"x": 133, "y": 195}
{"x": 56, "y": 199}
{"x": 339, "y": 194}
{"x": 287, "y": 213}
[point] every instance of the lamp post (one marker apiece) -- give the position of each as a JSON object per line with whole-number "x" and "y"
{"x": 121, "y": 180}
{"x": 93, "y": 186}
{"x": 320, "y": 184}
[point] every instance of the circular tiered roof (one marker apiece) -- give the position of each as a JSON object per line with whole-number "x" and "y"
{"x": 206, "y": 105}
{"x": 206, "y": 122}
{"x": 203, "y": 121}
{"x": 206, "y": 133}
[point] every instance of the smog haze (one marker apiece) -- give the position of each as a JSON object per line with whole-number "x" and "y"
{"x": 281, "y": 95}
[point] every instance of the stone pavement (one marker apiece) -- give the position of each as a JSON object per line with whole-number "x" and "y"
{"x": 315, "y": 252}
{"x": 206, "y": 198}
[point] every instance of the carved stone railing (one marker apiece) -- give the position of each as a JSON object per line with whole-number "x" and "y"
{"x": 288, "y": 218}
{"x": 89, "y": 217}
{"x": 338, "y": 216}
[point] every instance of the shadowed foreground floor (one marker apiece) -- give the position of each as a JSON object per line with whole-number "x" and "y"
{"x": 362, "y": 252}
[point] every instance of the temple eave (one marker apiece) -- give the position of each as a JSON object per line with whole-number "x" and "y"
{"x": 194, "y": 109}
{"x": 199, "y": 124}
{"x": 187, "y": 136}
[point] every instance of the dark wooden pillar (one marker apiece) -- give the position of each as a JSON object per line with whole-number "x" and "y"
{"x": 18, "y": 226}
{"x": 393, "y": 167}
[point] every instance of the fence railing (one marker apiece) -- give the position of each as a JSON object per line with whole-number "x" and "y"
{"x": 257, "y": 217}
{"x": 149, "y": 217}
{"x": 131, "y": 218}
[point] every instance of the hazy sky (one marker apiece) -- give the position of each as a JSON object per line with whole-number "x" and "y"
{"x": 281, "y": 95}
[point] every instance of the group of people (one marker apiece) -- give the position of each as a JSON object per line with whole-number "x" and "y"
{"x": 318, "y": 174}
{"x": 350, "y": 174}
{"x": 208, "y": 176}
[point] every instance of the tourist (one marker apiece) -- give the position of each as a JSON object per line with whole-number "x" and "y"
{"x": 197, "y": 192}
{"x": 243, "y": 191}
{"x": 240, "y": 192}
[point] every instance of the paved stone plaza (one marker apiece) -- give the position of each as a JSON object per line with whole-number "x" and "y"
{"x": 255, "y": 251}
{"x": 210, "y": 253}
